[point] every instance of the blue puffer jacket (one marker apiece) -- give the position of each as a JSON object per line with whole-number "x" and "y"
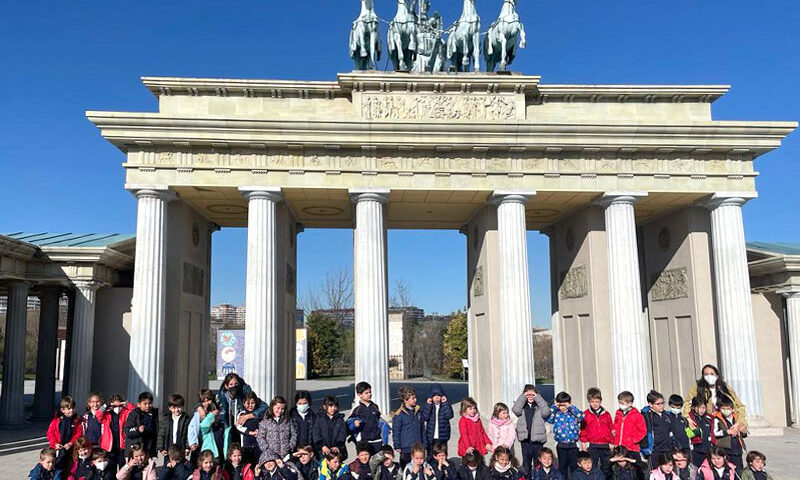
{"x": 445, "y": 414}
{"x": 39, "y": 473}
{"x": 566, "y": 425}
{"x": 407, "y": 429}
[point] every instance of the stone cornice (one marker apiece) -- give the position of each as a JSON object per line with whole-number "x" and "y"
{"x": 90, "y": 255}
{"x": 627, "y": 93}
{"x": 17, "y": 249}
{"x": 169, "y": 86}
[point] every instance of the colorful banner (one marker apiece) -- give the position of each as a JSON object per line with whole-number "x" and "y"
{"x": 301, "y": 367}
{"x": 230, "y": 353}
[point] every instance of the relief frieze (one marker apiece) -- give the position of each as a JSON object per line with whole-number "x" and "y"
{"x": 670, "y": 285}
{"x": 438, "y": 107}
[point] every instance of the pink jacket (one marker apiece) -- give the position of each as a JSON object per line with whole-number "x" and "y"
{"x": 706, "y": 470}
{"x": 502, "y": 432}
{"x": 149, "y": 472}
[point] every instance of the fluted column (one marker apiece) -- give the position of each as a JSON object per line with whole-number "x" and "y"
{"x": 555, "y": 316}
{"x": 371, "y": 296}
{"x": 12, "y": 410}
{"x": 516, "y": 332}
{"x": 148, "y": 307}
{"x": 261, "y": 323}
{"x": 736, "y": 331}
{"x": 45, "y": 394}
{"x": 82, "y": 340}
{"x": 629, "y": 354}
{"x": 792, "y": 295}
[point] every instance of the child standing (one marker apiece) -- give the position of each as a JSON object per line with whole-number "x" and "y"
{"x": 213, "y": 430}
{"x": 679, "y": 423}
{"x": 302, "y": 416}
{"x": 418, "y": 468}
{"x": 62, "y": 433}
{"x": 503, "y": 465}
{"x": 330, "y": 430}
{"x": 566, "y": 420}
{"x": 659, "y": 428}
{"x": 115, "y": 417}
{"x": 93, "y": 419}
{"x": 544, "y": 469}
{"x": 45, "y": 469}
{"x": 437, "y": 413}
{"x": 629, "y": 426}
{"x": 729, "y": 437}
{"x": 532, "y": 411}
{"x": 205, "y": 398}
{"x": 365, "y": 418}
{"x": 442, "y": 468}
{"x": 501, "y": 430}
{"x": 597, "y": 430}
{"x": 174, "y": 427}
{"x": 472, "y": 436}
{"x": 756, "y": 461}
{"x": 702, "y": 439}
{"x": 407, "y": 425}
{"x": 277, "y": 436}
{"x": 142, "y": 425}
{"x": 249, "y": 428}
{"x": 586, "y": 469}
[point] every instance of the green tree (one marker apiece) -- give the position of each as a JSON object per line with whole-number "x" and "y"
{"x": 455, "y": 344}
{"x": 324, "y": 343}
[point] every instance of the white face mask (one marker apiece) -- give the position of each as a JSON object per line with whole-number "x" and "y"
{"x": 624, "y": 408}
{"x": 100, "y": 465}
{"x": 303, "y": 408}
{"x": 117, "y": 410}
{"x": 675, "y": 411}
{"x": 710, "y": 379}
{"x": 83, "y": 457}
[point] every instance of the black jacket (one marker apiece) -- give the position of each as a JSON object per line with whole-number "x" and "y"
{"x": 660, "y": 426}
{"x": 510, "y": 474}
{"x": 309, "y": 471}
{"x": 481, "y": 473}
{"x": 449, "y": 472}
{"x": 165, "y": 432}
{"x": 631, "y": 472}
{"x": 181, "y": 471}
{"x": 304, "y": 426}
{"x": 679, "y": 425}
{"x": 147, "y": 438}
{"x": 330, "y": 432}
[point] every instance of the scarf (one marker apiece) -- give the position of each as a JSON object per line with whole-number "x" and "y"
{"x": 502, "y": 469}
{"x": 473, "y": 418}
{"x": 499, "y": 423}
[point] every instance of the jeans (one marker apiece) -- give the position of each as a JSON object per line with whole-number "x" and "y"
{"x": 567, "y": 459}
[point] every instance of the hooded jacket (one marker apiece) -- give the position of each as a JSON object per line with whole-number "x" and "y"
{"x": 539, "y": 412}
{"x": 61, "y": 433}
{"x": 566, "y": 425}
{"x": 107, "y": 436}
{"x": 429, "y": 416}
{"x": 39, "y": 473}
{"x": 235, "y": 404}
{"x": 407, "y": 428}
{"x": 629, "y": 429}
{"x": 597, "y": 427}
{"x": 502, "y": 432}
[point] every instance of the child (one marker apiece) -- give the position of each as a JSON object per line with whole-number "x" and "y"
{"x": 213, "y": 430}
{"x": 359, "y": 468}
{"x": 330, "y": 430}
{"x": 702, "y": 439}
{"x": 473, "y": 468}
{"x": 679, "y": 423}
{"x": 566, "y": 420}
{"x": 176, "y": 467}
{"x": 207, "y": 468}
{"x": 501, "y": 430}
{"x": 364, "y": 421}
{"x": 115, "y": 417}
{"x": 101, "y": 466}
{"x": 331, "y": 467}
{"x": 623, "y": 467}
{"x": 532, "y": 411}
{"x": 142, "y": 425}
{"x": 407, "y": 424}
{"x": 92, "y": 419}
{"x": 248, "y": 429}
{"x": 597, "y": 430}
{"x": 304, "y": 462}
{"x": 383, "y": 465}
{"x": 756, "y": 461}
{"x": 81, "y": 460}
{"x": 235, "y": 467}
{"x": 659, "y": 428}
{"x": 684, "y": 470}
{"x": 302, "y": 416}
{"x": 717, "y": 466}
{"x": 174, "y": 427}
{"x": 664, "y": 468}
{"x": 205, "y": 398}
{"x": 418, "y": 468}
{"x": 729, "y": 438}
{"x": 62, "y": 433}
{"x": 437, "y": 413}
{"x": 277, "y": 436}
{"x": 442, "y": 469}
{"x": 45, "y": 469}
{"x": 629, "y": 426}
{"x": 503, "y": 465}
{"x": 544, "y": 469}
{"x": 138, "y": 465}
{"x": 586, "y": 470}
{"x": 472, "y": 436}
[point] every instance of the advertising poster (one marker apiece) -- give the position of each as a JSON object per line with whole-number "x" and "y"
{"x": 301, "y": 367}
{"x": 230, "y": 353}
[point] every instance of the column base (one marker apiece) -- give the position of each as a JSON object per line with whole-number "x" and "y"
{"x": 759, "y": 427}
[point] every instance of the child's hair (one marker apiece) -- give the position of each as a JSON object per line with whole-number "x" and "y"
{"x": 438, "y": 448}
{"x": 723, "y": 401}
{"x": 499, "y": 407}
{"x": 653, "y": 396}
{"x": 145, "y": 396}
{"x": 473, "y": 458}
{"x": 278, "y": 400}
{"x": 66, "y": 402}
{"x": 584, "y": 456}
{"x": 47, "y": 453}
{"x": 176, "y": 453}
{"x": 176, "y": 400}
{"x": 418, "y": 448}
{"x": 754, "y": 454}
{"x": 545, "y": 451}
{"x": 205, "y": 455}
{"x": 664, "y": 459}
{"x": 698, "y": 402}
{"x": 333, "y": 454}
{"x": 99, "y": 395}
{"x": 205, "y": 394}
{"x": 99, "y": 454}
{"x": 80, "y": 443}
{"x": 362, "y": 447}
{"x": 116, "y": 398}
{"x": 529, "y": 388}
{"x": 232, "y": 448}
{"x": 563, "y": 397}
{"x": 676, "y": 400}
{"x": 134, "y": 449}
{"x": 625, "y": 396}
{"x": 716, "y": 451}
{"x": 503, "y": 450}
{"x": 362, "y": 387}
{"x": 620, "y": 451}
{"x": 330, "y": 400}
{"x": 466, "y": 403}
{"x": 250, "y": 395}
{"x": 306, "y": 448}
{"x": 387, "y": 449}
{"x": 594, "y": 394}
{"x": 302, "y": 395}
{"x": 405, "y": 392}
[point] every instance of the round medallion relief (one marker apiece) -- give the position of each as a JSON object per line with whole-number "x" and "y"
{"x": 323, "y": 211}
{"x": 664, "y": 239}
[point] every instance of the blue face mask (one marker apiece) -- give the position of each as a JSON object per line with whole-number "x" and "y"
{"x": 303, "y": 408}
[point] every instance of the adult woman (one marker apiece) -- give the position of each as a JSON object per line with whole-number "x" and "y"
{"x": 277, "y": 434}
{"x": 231, "y": 402}
{"x": 710, "y": 387}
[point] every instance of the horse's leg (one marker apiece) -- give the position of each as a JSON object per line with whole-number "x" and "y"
{"x": 503, "y": 44}
{"x": 522, "y": 39}
{"x": 476, "y": 40}
{"x": 465, "y": 54}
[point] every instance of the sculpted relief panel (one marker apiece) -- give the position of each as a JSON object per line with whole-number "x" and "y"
{"x": 438, "y": 107}
{"x": 574, "y": 283}
{"x": 670, "y": 285}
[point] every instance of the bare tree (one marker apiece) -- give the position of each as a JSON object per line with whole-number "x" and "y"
{"x": 401, "y": 294}
{"x": 335, "y": 292}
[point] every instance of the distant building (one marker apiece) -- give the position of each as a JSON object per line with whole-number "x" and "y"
{"x": 346, "y": 316}
{"x": 228, "y": 314}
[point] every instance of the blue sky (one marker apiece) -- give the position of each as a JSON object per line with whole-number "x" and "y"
{"x": 63, "y": 58}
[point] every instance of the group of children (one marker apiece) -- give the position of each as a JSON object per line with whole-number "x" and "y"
{"x": 236, "y": 436}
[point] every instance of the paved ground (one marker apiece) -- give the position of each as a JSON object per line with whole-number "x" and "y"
{"x": 19, "y": 448}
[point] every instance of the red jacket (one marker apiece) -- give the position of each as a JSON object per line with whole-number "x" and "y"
{"x": 472, "y": 435}
{"x": 106, "y": 435}
{"x": 54, "y": 435}
{"x": 597, "y": 428}
{"x": 629, "y": 429}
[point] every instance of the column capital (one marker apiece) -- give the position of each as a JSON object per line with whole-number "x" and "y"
{"x": 161, "y": 192}
{"x": 91, "y": 285}
{"x": 720, "y": 199}
{"x": 790, "y": 291}
{"x": 620, "y": 197}
{"x": 380, "y": 195}
{"x": 511, "y": 196}
{"x": 269, "y": 193}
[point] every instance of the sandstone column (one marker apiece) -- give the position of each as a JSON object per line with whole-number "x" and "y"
{"x": 629, "y": 354}
{"x": 516, "y": 332}
{"x": 371, "y": 296}
{"x": 736, "y": 331}
{"x": 261, "y": 323}
{"x": 148, "y": 306}
{"x": 792, "y": 295}
{"x": 45, "y": 393}
{"x": 82, "y": 341}
{"x": 12, "y": 410}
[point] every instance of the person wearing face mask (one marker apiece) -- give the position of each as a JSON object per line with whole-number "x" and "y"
{"x": 303, "y": 418}
{"x": 711, "y": 387}
{"x": 101, "y": 467}
{"x": 113, "y": 439}
{"x": 679, "y": 423}
{"x": 629, "y": 426}
{"x": 729, "y": 438}
{"x": 231, "y": 403}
